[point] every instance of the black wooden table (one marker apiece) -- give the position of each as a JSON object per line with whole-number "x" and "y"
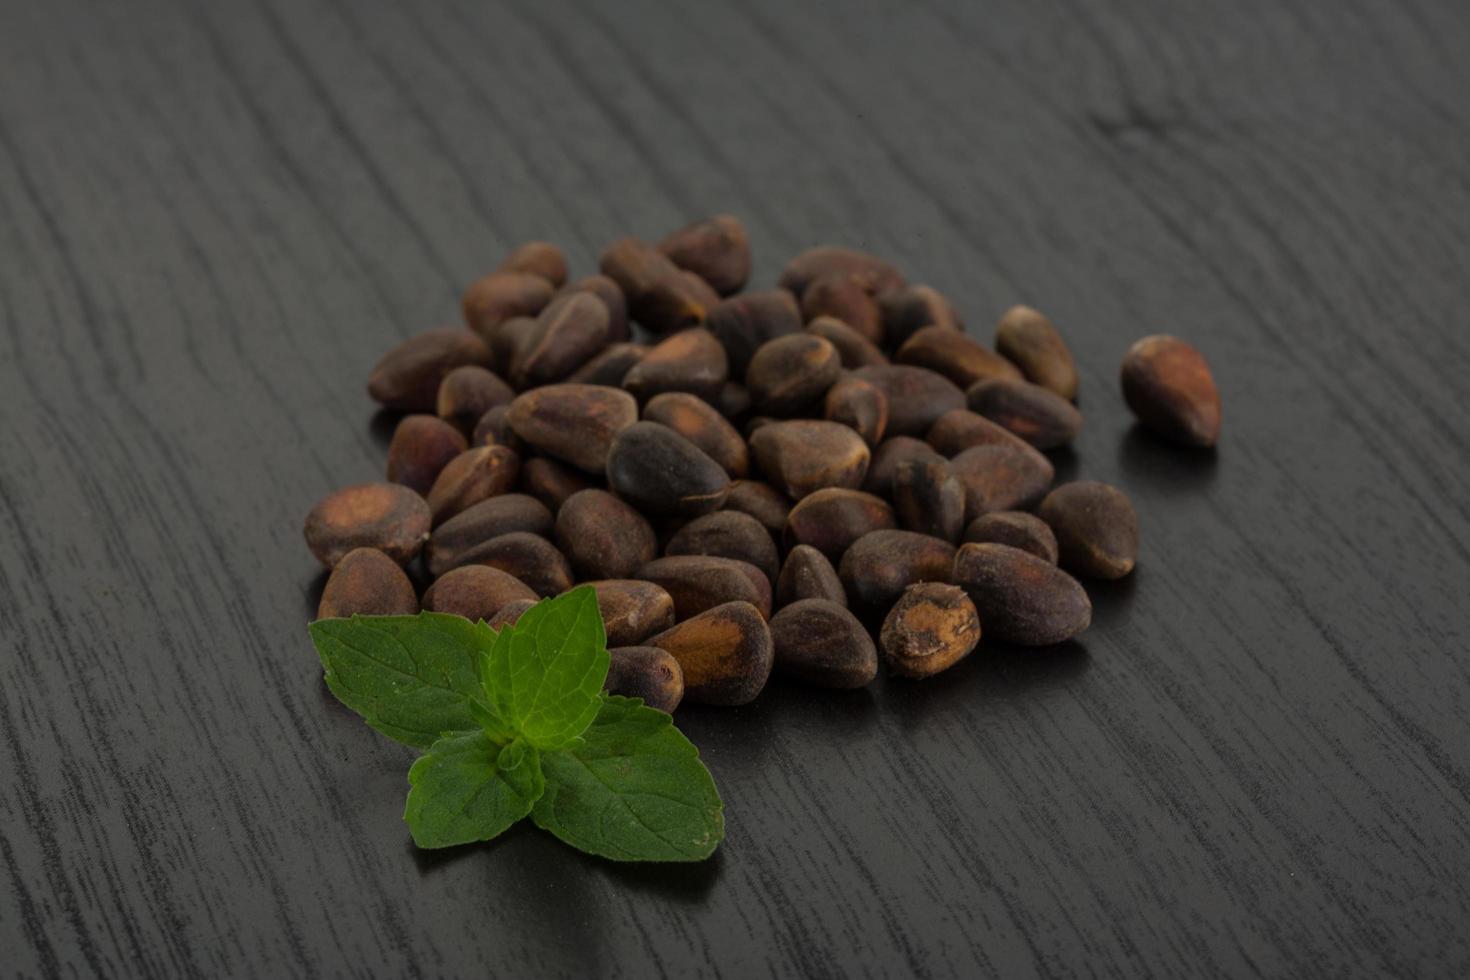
{"x": 213, "y": 217}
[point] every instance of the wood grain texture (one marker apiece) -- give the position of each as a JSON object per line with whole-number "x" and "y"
{"x": 214, "y": 217}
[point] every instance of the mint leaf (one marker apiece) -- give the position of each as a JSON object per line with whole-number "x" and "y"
{"x": 461, "y": 793}
{"x": 543, "y": 677}
{"x": 413, "y": 678}
{"x": 635, "y": 790}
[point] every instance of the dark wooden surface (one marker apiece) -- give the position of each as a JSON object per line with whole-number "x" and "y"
{"x": 213, "y": 217}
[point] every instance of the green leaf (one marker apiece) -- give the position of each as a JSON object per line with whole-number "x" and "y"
{"x": 413, "y": 678}
{"x": 544, "y": 675}
{"x": 460, "y": 793}
{"x": 635, "y": 790}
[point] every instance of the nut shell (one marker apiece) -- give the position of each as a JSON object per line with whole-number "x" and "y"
{"x": 821, "y": 643}
{"x": 1017, "y": 529}
{"x": 916, "y": 396}
{"x": 1169, "y": 387}
{"x": 701, "y": 582}
{"x": 717, "y": 249}
{"x": 1043, "y": 418}
{"x": 475, "y": 592}
{"x": 879, "y": 566}
{"x": 647, "y": 673}
{"x": 386, "y": 516}
{"x": 576, "y": 423}
{"x": 632, "y": 610}
{"x": 663, "y": 474}
{"x": 603, "y": 537}
{"x": 479, "y": 523}
{"x": 802, "y": 456}
{"x": 1030, "y": 341}
{"x": 421, "y": 447}
{"x": 472, "y": 476}
{"x": 725, "y": 653}
{"x": 1096, "y": 528}
{"x": 407, "y": 378}
{"x": 367, "y": 582}
{"x": 931, "y": 628}
{"x": 1021, "y": 599}
{"x": 831, "y": 520}
{"x": 807, "y": 574}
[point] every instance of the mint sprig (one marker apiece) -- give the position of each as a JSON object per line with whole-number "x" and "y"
{"x": 516, "y": 724}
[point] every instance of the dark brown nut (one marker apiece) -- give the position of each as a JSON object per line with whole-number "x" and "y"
{"x": 632, "y": 610}
{"x": 954, "y": 432}
{"x": 728, "y": 534}
{"x": 743, "y": 323}
{"x": 603, "y": 537}
{"x": 1001, "y": 478}
{"x": 663, "y": 474}
{"x": 1021, "y": 599}
{"x": 477, "y": 524}
{"x": 1041, "y": 417}
{"x": 551, "y": 482}
{"x": 853, "y": 348}
{"x": 609, "y": 366}
{"x": 756, "y": 422}
{"x": 909, "y": 309}
{"x": 408, "y": 376}
{"x": 790, "y": 374}
{"x": 700, "y": 582}
{"x": 647, "y": 673}
{"x": 528, "y": 557}
{"x": 830, "y": 520}
{"x": 1017, "y": 529}
{"x": 929, "y": 499}
{"x": 805, "y": 455}
{"x": 612, "y": 297}
{"x": 494, "y": 429}
{"x": 509, "y": 614}
{"x": 422, "y": 446}
{"x": 678, "y": 302}
{"x": 717, "y": 248}
{"x": 472, "y": 476}
{"x": 887, "y": 457}
{"x": 916, "y": 396}
{"x": 1028, "y": 340}
{"x": 475, "y": 592}
{"x": 762, "y": 501}
{"x": 957, "y": 356}
{"x": 386, "y": 516}
{"x": 861, "y": 406}
{"x": 568, "y": 334}
{"x": 808, "y": 574}
{"x": 467, "y": 393}
{"x": 660, "y": 295}
{"x": 1096, "y": 528}
{"x": 844, "y": 298}
{"x": 367, "y": 582}
{"x": 879, "y": 566}
{"x": 491, "y": 300}
{"x": 690, "y": 360}
{"x": 931, "y": 628}
{"x": 869, "y": 271}
{"x": 574, "y": 422}
{"x": 508, "y": 338}
{"x": 635, "y": 266}
{"x": 725, "y": 653}
{"x": 539, "y": 259}
{"x": 821, "y": 643}
{"x": 702, "y": 424}
{"x": 734, "y": 401}
{"x": 1168, "y": 385}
